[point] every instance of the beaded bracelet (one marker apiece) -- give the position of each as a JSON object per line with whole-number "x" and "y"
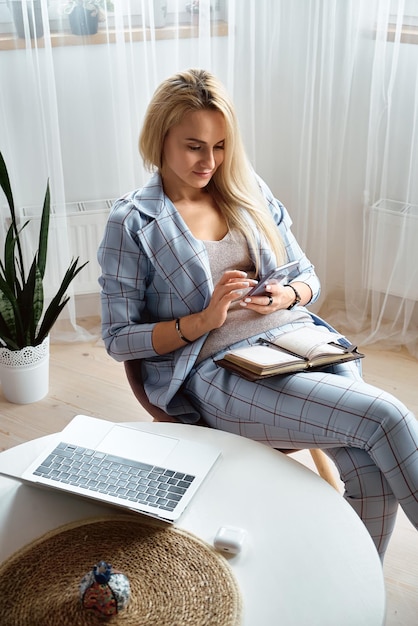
{"x": 297, "y": 297}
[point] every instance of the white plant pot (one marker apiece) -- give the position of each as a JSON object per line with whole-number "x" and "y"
{"x": 24, "y": 374}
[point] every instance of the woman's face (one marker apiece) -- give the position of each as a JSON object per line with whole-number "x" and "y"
{"x": 193, "y": 150}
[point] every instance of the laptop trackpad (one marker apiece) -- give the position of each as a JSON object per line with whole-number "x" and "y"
{"x": 137, "y": 445}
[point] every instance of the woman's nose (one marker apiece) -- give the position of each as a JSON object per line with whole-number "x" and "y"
{"x": 208, "y": 158}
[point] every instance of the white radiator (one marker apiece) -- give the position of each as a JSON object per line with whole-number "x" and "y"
{"x": 393, "y": 249}
{"x": 85, "y": 222}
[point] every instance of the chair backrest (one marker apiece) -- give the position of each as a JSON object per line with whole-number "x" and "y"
{"x": 134, "y": 376}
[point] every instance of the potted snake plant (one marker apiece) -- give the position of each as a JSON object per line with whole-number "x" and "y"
{"x": 84, "y": 15}
{"x": 25, "y": 320}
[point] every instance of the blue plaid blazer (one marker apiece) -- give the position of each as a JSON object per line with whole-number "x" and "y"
{"x": 154, "y": 269}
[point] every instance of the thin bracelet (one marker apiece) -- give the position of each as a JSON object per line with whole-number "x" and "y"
{"x": 297, "y": 297}
{"x": 180, "y": 334}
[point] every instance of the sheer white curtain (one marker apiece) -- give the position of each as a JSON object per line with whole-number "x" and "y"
{"x": 327, "y": 102}
{"x": 391, "y": 192}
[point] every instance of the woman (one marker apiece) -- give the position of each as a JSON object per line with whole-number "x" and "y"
{"x": 178, "y": 257}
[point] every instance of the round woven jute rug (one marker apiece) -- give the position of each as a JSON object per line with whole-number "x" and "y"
{"x": 175, "y": 578}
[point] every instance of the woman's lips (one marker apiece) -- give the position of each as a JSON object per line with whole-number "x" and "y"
{"x": 203, "y": 174}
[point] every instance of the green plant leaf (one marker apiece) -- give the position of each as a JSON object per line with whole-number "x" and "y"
{"x": 9, "y": 267}
{"x": 31, "y": 303}
{"x": 7, "y": 190}
{"x": 8, "y": 309}
{"x": 43, "y": 232}
{"x": 11, "y": 263}
{"x": 59, "y": 300}
{"x": 5, "y": 185}
{"x": 22, "y": 318}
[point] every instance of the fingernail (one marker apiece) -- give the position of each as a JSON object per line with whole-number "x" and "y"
{"x": 243, "y": 303}
{"x": 247, "y": 300}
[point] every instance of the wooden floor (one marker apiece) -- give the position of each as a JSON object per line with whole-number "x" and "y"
{"x": 83, "y": 379}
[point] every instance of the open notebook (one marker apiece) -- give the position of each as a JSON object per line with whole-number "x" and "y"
{"x": 118, "y": 464}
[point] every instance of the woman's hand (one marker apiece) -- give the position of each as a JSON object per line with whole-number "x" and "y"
{"x": 276, "y": 297}
{"x": 232, "y": 285}
{"x": 230, "y": 288}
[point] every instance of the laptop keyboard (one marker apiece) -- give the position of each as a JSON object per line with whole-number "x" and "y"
{"x": 122, "y": 478}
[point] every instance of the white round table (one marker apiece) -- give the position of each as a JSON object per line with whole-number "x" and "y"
{"x": 307, "y": 558}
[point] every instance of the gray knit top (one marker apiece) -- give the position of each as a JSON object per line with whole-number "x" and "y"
{"x": 228, "y": 254}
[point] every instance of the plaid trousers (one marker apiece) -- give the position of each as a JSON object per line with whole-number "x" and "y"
{"x": 369, "y": 434}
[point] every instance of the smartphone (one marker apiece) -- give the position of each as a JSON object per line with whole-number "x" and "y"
{"x": 275, "y": 276}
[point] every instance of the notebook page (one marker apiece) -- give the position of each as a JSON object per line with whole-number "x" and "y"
{"x": 306, "y": 341}
{"x": 263, "y": 355}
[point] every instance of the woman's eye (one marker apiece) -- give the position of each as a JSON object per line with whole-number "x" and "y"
{"x": 194, "y": 147}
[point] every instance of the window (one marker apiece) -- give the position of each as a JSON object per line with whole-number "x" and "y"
{"x": 408, "y": 32}
{"x": 167, "y": 21}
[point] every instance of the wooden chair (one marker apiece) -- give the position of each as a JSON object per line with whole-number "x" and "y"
{"x": 134, "y": 376}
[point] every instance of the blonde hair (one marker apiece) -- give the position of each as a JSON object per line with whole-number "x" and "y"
{"x": 234, "y": 186}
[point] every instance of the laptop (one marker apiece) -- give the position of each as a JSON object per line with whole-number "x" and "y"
{"x": 118, "y": 464}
